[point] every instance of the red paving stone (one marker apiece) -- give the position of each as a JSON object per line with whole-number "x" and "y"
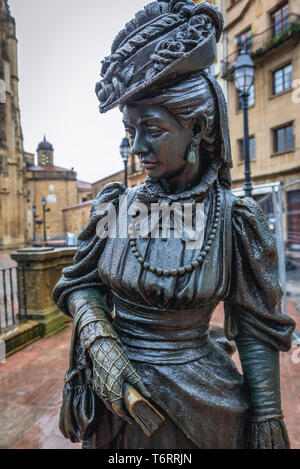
{"x": 31, "y": 384}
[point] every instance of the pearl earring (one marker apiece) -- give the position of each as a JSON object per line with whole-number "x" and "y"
{"x": 192, "y": 156}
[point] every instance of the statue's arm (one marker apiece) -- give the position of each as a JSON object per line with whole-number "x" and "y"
{"x": 262, "y": 373}
{"x": 253, "y": 318}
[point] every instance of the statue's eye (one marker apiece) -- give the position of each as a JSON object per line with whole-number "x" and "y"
{"x": 154, "y": 131}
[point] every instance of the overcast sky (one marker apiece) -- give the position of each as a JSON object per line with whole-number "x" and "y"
{"x": 61, "y": 44}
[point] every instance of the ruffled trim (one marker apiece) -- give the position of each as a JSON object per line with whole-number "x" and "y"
{"x": 269, "y": 435}
{"x": 152, "y": 191}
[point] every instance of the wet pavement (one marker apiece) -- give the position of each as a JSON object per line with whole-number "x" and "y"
{"x": 31, "y": 383}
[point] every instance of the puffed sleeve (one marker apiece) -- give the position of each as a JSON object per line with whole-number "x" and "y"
{"x": 83, "y": 274}
{"x": 254, "y": 303}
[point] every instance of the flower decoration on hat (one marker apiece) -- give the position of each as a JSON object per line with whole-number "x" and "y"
{"x": 165, "y": 40}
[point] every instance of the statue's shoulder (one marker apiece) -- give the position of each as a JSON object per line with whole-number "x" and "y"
{"x": 241, "y": 206}
{"x": 249, "y": 222}
{"x": 110, "y": 190}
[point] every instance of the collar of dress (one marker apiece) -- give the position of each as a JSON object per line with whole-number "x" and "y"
{"x": 153, "y": 191}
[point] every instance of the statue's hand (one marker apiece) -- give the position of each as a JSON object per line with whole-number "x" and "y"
{"x": 111, "y": 369}
{"x": 269, "y": 435}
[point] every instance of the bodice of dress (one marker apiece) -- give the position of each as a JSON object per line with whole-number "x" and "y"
{"x": 123, "y": 274}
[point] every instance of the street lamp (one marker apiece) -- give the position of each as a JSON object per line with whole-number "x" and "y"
{"x": 244, "y": 78}
{"x": 125, "y": 153}
{"x": 45, "y": 210}
{"x": 35, "y": 216}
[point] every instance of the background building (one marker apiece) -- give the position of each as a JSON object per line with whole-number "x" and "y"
{"x": 270, "y": 29}
{"x": 60, "y": 188}
{"x": 22, "y": 182}
{"x": 13, "y": 195}
{"x": 77, "y": 216}
{"x": 136, "y": 176}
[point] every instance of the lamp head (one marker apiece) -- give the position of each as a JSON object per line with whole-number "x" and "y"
{"x": 244, "y": 73}
{"x": 125, "y": 149}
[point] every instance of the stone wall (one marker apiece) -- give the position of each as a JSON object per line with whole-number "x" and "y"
{"x": 76, "y": 217}
{"x": 42, "y": 270}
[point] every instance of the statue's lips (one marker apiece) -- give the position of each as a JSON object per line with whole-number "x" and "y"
{"x": 149, "y": 164}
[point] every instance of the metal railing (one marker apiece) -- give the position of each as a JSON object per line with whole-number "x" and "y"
{"x": 13, "y": 297}
{"x": 260, "y": 44}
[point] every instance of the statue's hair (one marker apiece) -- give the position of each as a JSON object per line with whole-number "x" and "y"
{"x": 190, "y": 101}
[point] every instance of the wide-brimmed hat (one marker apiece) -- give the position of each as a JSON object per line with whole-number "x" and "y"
{"x": 165, "y": 41}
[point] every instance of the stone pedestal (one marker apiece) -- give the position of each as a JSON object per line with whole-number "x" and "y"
{"x": 42, "y": 269}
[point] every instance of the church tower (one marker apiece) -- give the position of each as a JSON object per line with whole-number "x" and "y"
{"x": 45, "y": 152}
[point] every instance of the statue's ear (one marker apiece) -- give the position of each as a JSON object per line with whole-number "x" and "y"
{"x": 200, "y": 128}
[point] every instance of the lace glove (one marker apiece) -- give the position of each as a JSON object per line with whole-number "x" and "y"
{"x": 111, "y": 366}
{"x": 262, "y": 372}
{"x": 111, "y": 369}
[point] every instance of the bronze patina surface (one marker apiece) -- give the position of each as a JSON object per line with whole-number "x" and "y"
{"x": 142, "y": 306}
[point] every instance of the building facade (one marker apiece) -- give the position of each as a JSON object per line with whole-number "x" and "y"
{"x": 13, "y": 194}
{"x": 60, "y": 189}
{"x": 270, "y": 30}
{"x": 76, "y": 217}
{"x": 23, "y": 183}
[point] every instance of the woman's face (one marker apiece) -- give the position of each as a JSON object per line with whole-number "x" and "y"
{"x": 157, "y": 138}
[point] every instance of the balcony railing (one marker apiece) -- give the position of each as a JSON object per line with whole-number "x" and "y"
{"x": 260, "y": 44}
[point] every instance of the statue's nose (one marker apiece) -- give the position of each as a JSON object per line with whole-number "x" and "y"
{"x": 140, "y": 146}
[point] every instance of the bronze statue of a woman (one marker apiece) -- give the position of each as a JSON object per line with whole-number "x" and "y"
{"x": 142, "y": 305}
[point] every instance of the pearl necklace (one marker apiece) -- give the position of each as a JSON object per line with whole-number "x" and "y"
{"x": 190, "y": 267}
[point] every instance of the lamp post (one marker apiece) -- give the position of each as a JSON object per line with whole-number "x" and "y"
{"x": 244, "y": 78}
{"x": 125, "y": 153}
{"x": 45, "y": 210}
{"x": 35, "y": 216}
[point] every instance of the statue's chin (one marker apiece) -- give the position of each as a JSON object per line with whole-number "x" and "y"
{"x": 168, "y": 175}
